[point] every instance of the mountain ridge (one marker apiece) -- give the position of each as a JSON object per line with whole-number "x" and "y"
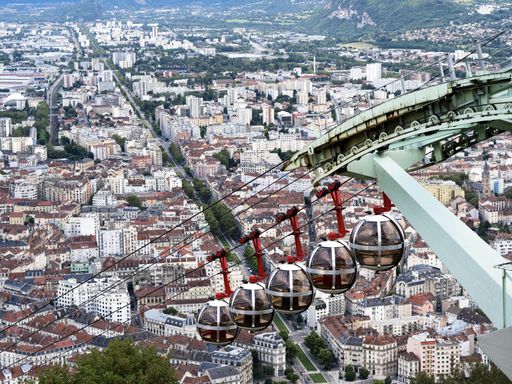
{"x": 127, "y": 3}
{"x": 356, "y": 17}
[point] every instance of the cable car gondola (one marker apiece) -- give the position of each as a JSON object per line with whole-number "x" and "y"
{"x": 332, "y": 266}
{"x": 290, "y": 288}
{"x": 250, "y": 305}
{"x": 378, "y": 242}
{"x": 214, "y": 323}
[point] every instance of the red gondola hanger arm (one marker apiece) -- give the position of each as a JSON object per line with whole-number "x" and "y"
{"x": 254, "y": 236}
{"x": 291, "y": 215}
{"x": 386, "y": 206}
{"x": 334, "y": 190}
{"x": 221, "y": 255}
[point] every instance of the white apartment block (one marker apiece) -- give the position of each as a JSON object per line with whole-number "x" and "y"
{"x": 399, "y": 326}
{"x": 195, "y": 105}
{"x": 240, "y": 358}
{"x": 315, "y": 312}
{"x": 113, "y": 303}
{"x": 408, "y": 367}
{"x": 110, "y": 242}
{"x": 102, "y": 149}
{"x": 283, "y": 141}
{"x": 427, "y": 258}
{"x": 325, "y": 305}
{"x": 257, "y": 156}
{"x": 80, "y": 226}
{"x": 124, "y": 59}
{"x": 271, "y": 351}
{"x": 503, "y": 244}
{"x": 57, "y": 355}
{"x": 5, "y": 126}
{"x": 382, "y": 309}
{"x": 373, "y": 71}
{"x": 23, "y": 190}
{"x": 380, "y": 355}
{"x": 104, "y": 198}
{"x": 16, "y": 144}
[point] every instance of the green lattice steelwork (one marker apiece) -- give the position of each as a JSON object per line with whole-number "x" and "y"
{"x": 390, "y": 139}
{"x": 449, "y": 117}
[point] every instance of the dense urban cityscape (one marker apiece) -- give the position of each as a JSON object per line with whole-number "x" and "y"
{"x": 137, "y": 144}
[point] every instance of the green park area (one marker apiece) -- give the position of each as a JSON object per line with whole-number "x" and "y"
{"x": 279, "y": 324}
{"x": 317, "y": 378}
{"x": 305, "y": 361}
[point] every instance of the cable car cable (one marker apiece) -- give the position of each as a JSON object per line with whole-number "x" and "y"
{"x": 167, "y": 284}
{"x": 147, "y": 266}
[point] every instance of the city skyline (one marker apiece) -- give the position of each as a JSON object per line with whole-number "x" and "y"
{"x": 140, "y": 140}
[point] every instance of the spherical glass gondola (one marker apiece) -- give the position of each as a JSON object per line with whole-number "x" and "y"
{"x": 214, "y": 323}
{"x": 332, "y": 267}
{"x": 378, "y": 242}
{"x": 251, "y": 308}
{"x": 290, "y": 289}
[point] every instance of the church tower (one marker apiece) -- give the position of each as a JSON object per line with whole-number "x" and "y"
{"x": 486, "y": 180}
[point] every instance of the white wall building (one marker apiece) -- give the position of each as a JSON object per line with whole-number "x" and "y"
{"x": 81, "y": 226}
{"x": 112, "y": 301}
{"x": 160, "y": 324}
{"x": 5, "y": 127}
{"x": 23, "y": 190}
{"x": 110, "y": 242}
{"x": 373, "y": 71}
{"x": 271, "y": 351}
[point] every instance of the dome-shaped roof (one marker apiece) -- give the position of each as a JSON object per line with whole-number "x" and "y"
{"x": 190, "y": 320}
{"x": 15, "y": 96}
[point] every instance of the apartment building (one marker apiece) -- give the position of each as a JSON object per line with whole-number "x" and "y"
{"x": 107, "y": 297}
{"x": 408, "y": 367}
{"x": 239, "y": 358}
{"x": 161, "y": 324}
{"x": 380, "y": 355}
{"x": 437, "y": 356}
{"x": 443, "y": 190}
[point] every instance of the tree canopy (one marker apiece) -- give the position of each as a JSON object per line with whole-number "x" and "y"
{"x": 350, "y": 374}
{"x": 479, "y": 374}
{"x": 318, "y": 348}
{"x": 224, "y": 158}
{"x": 134, "y": 201}
{"x": 121, "y": 363}
{"x": 176, "y": 154}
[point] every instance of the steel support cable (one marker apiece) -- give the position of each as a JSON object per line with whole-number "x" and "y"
{"x": 167, "y": 232}
{"x": 180, "y": 293}
{"x": 158, "y": 258}
{"x": 239, "y": 188}
{"x": 367, "y": 94}
{"x": 483, "y": 44}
